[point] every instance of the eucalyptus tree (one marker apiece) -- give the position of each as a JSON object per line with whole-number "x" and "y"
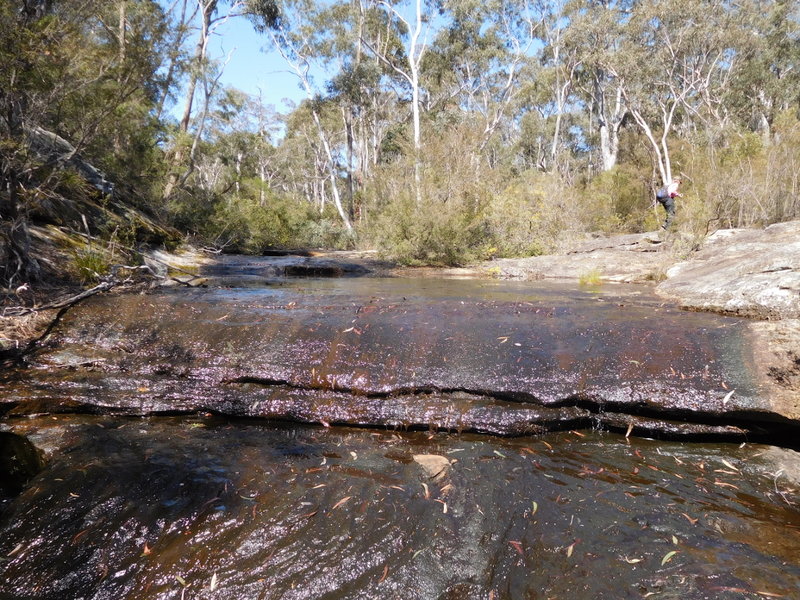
{"x": 597, "y": 30}
{"x": 561, "y": 60}
{"x": 673, "y": 68}
{"x": 768, "y": 78}
{"x": 413, "y": 20}
{"x": 477, "y": 57}
{"x": 301, "y": 38}
{"x": 207, "y": 17}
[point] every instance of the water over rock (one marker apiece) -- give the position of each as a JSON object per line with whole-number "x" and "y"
{"x": 485, "y": 356}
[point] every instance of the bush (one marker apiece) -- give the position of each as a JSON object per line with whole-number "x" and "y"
{"x": 619, "y": 200}
{"x": 433, "y": 233}
{"x": 534, "y": 214}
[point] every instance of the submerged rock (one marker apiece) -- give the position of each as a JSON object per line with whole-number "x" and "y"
{"x": 19, "y": 462}
{"x": 494, "y": 357}
{"x": 434, "y": 466}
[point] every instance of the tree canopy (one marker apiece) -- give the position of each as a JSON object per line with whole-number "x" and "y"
{"x": 441, "y": 131}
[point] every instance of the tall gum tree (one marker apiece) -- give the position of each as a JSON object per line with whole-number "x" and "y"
{"x": 672, "y": 67}
{"x": 477, "y": 59}
{"x": 597, "y": 29}
{"x": 208, "y": 18}
{"x": 414, "y": 19}
{"x": 300, "y": 40}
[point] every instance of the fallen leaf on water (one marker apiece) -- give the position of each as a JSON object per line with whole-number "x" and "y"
{"x": 518, "y": 547}
{"x": 770, "y": 594}
{"x": 340, "y": 502}
{"x": 503, "y": 339}
{"x": 728, "y": 464}
{"x": 535, "y": 508}
{"x": 146, "y": 551}
{"x": 570, "y": 548}
{"x": 668, "y": 557}
{"x": 726, "y": 471}
{"x": 142, "y": 389}
{"x": 385, "y": 572}
{"x": 213, "y": 585}
{"x": 724, "y": 484}
{"x": 727, "y": 397}
{"x": 181, "y": 580}
{"x": 630, "y": 429}
{"x": 500, "y": 454}
{"x": 674, "y": 540}
{"x": 690, "y": 519}
{"x": 427, "y": 492}
{"x": 631, "y": 561}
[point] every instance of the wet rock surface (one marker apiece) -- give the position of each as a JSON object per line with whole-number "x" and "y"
{"x": 482, "y": 356}
{"x": 134, "y": 503}
{"x": 19, "y": 462}
{"x": 752, "y": 273}
{"x": 164, "y": 508}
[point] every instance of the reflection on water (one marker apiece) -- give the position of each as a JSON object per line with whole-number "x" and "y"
{"x": 207, "y": 508}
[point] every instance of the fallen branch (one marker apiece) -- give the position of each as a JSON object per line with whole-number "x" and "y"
{"x": 62, "y": 306}
{"x": 106, "y": 284}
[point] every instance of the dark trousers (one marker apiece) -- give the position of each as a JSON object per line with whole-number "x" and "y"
{"x": 669, "y": 206}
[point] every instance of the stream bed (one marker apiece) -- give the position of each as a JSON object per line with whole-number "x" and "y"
{"x": 388, "y": 438}
{"x": 174, "y": 507}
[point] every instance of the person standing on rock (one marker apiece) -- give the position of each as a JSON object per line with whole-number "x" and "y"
{"x": 666, "y": 196}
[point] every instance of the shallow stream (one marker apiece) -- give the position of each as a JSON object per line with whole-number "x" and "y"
{"x": 221, "y": 460}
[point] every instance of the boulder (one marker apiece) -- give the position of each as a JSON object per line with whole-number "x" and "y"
{"x": 744, "y": 272}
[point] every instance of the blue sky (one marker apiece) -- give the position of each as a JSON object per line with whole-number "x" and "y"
{"x": 251, "y": 68}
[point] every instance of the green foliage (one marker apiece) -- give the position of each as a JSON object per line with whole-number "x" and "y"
{"x": 245, "y": 224}
{"x": 533, "y": 215}
{"x": 517, "y": 108}
{"x": 442, "y": 234}
{"x": 90, "y": 264}
{"x": 591, "y": 278}
{"x": 617, "y": 200}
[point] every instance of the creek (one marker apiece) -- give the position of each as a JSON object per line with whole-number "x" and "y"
{"x": 273, "y": 438}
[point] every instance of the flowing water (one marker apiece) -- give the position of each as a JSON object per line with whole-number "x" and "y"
{"x": 208, "y": 504}
{"x": 206, "y": 508}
